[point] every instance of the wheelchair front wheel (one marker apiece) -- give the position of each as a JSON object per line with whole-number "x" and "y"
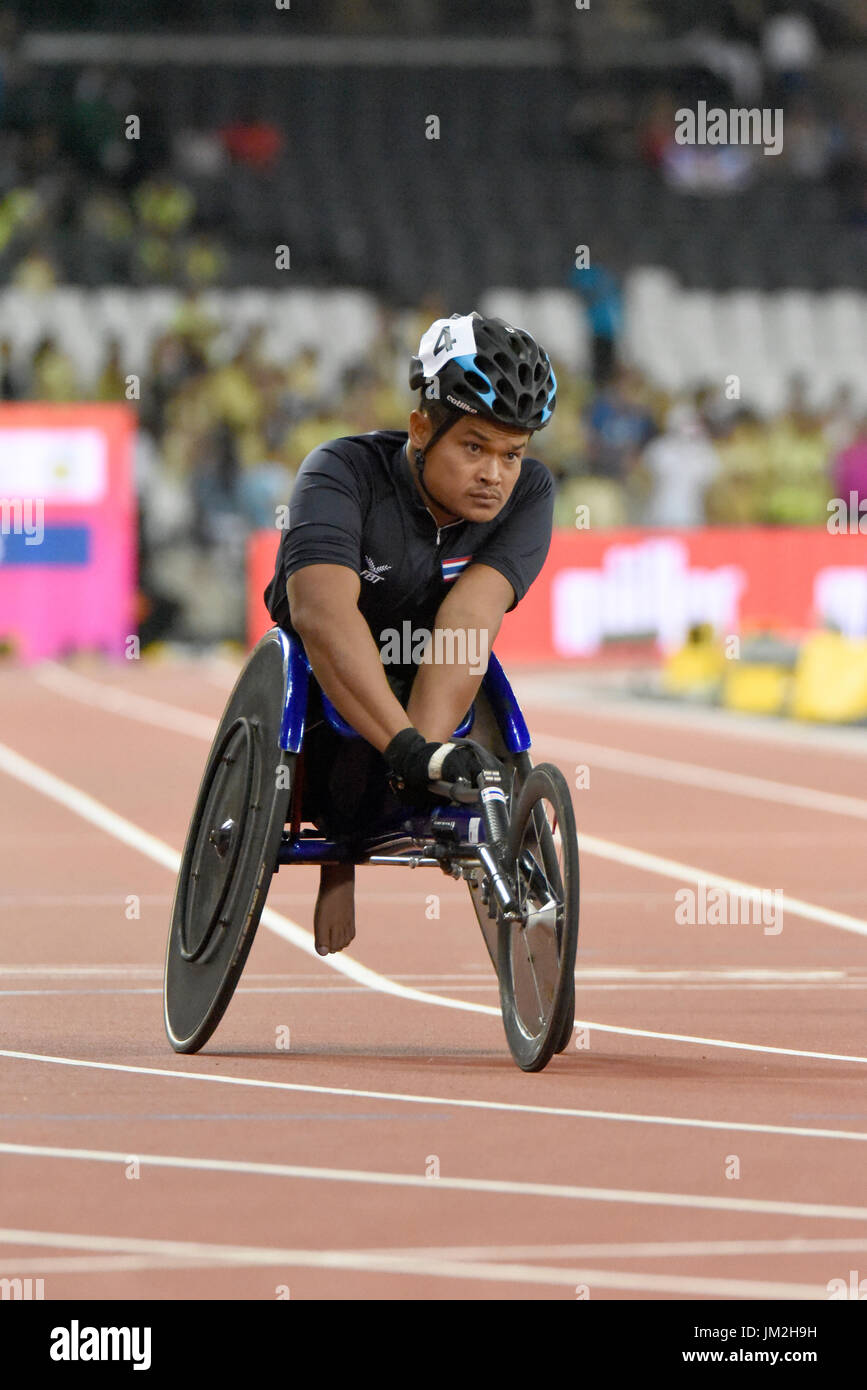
{"x": 230, "y": 853}
{"x": 536, "y": 954}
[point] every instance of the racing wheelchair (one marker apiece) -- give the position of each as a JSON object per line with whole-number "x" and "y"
{"x": 512, "y": 838}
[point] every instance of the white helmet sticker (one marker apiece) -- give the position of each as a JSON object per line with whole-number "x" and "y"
{"x": 445, "y": 339}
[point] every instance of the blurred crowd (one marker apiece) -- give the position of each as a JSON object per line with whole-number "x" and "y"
{"x": 820, "y": 141}
{"x": 88, "y": 197}
{"x": 747, "y": 55}
{"x": 229, "y": 428}
{"x": 634, "y": 455}
{"x": 90, "y": 193}
{"x": 222, "y": 434}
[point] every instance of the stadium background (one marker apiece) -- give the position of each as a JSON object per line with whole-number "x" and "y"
{"x": 701, "y": 1140}
{"x": 236, "y": 219}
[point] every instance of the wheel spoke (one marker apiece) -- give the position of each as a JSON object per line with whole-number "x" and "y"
{"x": 537, "y": 952}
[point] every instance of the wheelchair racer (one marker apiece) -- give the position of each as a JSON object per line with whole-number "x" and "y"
{"x": 443, "y": 527}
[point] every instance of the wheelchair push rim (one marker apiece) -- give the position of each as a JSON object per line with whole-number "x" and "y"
{"x": 230, "y": 853}
{"x": 536, "y": 954}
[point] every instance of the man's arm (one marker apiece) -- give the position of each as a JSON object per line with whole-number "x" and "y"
{"x": 471, "y": 612}
{"x": 342, "y": 651}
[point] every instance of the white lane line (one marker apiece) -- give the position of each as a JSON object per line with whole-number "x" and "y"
{"x": 72, "y": 799}
{"x": 153, "y": 712}
{"x": 224, "y": 678}
{"x": 101, "y": 1264}
{"x": 688, "y": 873}
{"x": 424, "y": 1265}
{"x": 706, "y": 778}
{"x": 88, "y": 808}
{"x": 719, "y": 1042}
{"x": 700, "y": 1249}
{"x": 408, "y": 1098}
{"x": 124, "y": 702}
{"x": 80, "y": 993}
{"x": 589, "y": 986}
{"x": 649, "y": 1249}
{"x": 153, "y": 972}
{"x": 537, "y": 692}
{"x": 541, "y": 693}
{"x": 68, "y": 900}
{"x": 119, "y": 703}
{"x": 493, "y": 1186}
{"x": 167, "y": 716}
{"x": 78, "y": 972}
{"x": 586, "y": 974}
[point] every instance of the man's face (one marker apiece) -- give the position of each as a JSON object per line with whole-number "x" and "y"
{"x": 474, "y": 467}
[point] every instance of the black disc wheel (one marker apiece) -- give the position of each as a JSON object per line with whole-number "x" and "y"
{"x": 230, "y": 853}
{"x": 536, "y": 953}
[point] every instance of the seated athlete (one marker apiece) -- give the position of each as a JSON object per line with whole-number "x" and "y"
{"x": 440, "y": 530}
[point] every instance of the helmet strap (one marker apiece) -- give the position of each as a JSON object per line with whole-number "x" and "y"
{"x": 420, "y": 455}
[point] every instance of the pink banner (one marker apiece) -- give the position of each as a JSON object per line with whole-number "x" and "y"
{"x": 606, "y": 593}
{"x": 67, "y": 529}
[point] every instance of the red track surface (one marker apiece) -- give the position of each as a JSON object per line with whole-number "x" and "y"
{"x": 642, "y": 1206}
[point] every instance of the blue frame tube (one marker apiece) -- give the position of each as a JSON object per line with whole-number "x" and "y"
{"x": 312, "y": 850}
{"x": 296, "y": 667}
{"x": 467, "y": 822}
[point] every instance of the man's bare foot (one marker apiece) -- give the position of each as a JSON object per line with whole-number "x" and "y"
{"x": 334, "y": 914}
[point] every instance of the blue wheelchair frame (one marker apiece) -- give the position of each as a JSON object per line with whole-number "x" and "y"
{"x": 464, "y": 822}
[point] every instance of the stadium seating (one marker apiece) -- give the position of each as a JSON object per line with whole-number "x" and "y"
{"x": 680, "y": 338}
{"x": 363, "y": 197}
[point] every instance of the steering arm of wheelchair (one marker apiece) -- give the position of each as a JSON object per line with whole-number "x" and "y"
{"x": 489, "y": 791}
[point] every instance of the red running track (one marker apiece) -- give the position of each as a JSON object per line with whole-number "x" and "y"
{"x": 704, "y": 1139}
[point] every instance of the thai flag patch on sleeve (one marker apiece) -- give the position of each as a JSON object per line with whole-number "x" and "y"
{"x": 452, "y": 568}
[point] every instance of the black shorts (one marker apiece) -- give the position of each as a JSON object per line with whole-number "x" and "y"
{"x": 346, "y": 786}
{"x": 345, "y": 779}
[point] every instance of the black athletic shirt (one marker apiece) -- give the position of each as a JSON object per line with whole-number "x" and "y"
{"x": 355, "y": 503}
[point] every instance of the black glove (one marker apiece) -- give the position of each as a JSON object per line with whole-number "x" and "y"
{"x": 416, "y": 763}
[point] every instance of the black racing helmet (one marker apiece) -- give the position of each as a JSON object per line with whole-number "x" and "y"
{"x": 484, "y": 366}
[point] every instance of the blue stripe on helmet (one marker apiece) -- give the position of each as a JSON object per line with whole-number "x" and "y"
{"x": 470, "y": 364}
{"x": 552, "y": 394}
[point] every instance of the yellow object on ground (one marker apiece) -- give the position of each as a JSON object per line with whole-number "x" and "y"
{"x": 757, "y": 688}
{"x": 831, "y": 679}
{"x": 696, "y": 669}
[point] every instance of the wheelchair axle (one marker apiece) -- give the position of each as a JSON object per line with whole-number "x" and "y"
{"x": 221, "y": 838}
{"x": 500, "y": 884}
{"x": 414, "y": 861}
